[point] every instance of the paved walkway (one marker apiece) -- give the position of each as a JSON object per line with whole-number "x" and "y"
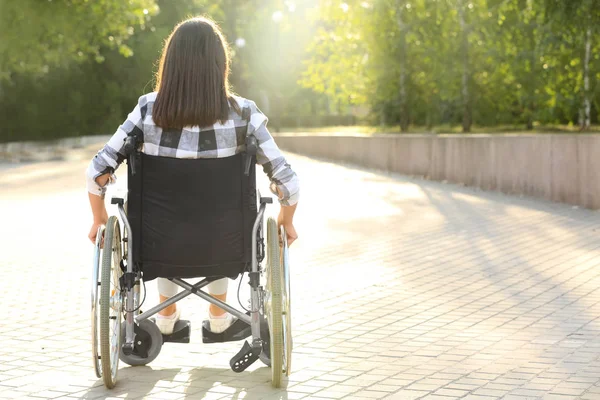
{"x": 403, "y": 289}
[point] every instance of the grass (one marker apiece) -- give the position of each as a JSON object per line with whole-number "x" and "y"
{"x": 442, "y": 129}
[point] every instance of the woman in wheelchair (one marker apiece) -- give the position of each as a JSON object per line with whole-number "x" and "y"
{"x": 192, "y": 114}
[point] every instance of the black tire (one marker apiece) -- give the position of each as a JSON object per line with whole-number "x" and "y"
{"x": 274, "y": 312}
{"x": 288, "y": 343}
{"x": 110, "y": 303}
{"x": 96, "y": 302}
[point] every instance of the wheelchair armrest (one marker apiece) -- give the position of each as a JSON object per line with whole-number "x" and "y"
{"x": 117, "y": 200}
{"x": 266, "y": 200}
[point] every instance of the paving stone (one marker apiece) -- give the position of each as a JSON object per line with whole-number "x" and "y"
{"x": 329, "y": 394}
{"x": 370, "y": 394}
{"x": 405, "y": 394}
{"x": 527, "y": 392}
{"x": 490, "y": 392}
{"x": 552, "y": 396}
{"x": 451, "y": 392}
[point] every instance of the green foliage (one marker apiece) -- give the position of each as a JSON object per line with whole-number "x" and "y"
{"x": 91, "y": 95}
{"x": 56, "y": 92}
{"x": 40, "y": 35}
{"x": 339, "y": 54}
{"x": 445, "y": 61}
{"x": 76, "y": 67}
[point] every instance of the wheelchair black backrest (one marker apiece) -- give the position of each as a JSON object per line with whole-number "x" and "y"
{"x": 191, "y": 217}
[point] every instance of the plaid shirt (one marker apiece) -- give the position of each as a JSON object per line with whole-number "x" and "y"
{"x": 216, "y": 141}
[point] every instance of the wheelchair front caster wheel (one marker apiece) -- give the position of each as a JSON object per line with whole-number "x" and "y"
{"x": 146, "y": 346}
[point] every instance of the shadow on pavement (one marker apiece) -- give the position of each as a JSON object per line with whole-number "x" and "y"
{"x": 197, "y": 383}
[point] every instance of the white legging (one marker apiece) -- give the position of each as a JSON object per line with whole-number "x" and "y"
{"x": 167, "y": 288}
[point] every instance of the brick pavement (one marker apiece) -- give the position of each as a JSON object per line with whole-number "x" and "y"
{"x": 403, "y": 289}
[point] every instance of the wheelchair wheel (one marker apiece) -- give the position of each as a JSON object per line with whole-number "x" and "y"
{"x": 111, "y": 303}
{"x": 274, "y": 308}
{"x": 95, "y": 312}
{"x": 148, "y": 342}
{"x": 287, "y": 306}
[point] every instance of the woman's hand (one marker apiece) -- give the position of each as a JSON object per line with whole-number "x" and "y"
{"x": 289, "y": 228}
{"x": 291, "y": 233}
{"x": 94, "y": 231}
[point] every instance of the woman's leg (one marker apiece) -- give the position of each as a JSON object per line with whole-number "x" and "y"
{"x": 218, "y": 318}
{"x": 218, "y": 289}
{"x": 166, "y": 290}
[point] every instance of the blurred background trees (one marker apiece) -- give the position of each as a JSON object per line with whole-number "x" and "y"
{"x": 433, "y": 62}
{"x": 76, "y": 67}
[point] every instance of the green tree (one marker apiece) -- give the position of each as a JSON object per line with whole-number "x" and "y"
{"x": 576, "y": 22}
{"x": 459, "y": 61}
{"x": 339, "y": 53}
{"x": 39, "y": 35}
{"x": 518, "y": 45}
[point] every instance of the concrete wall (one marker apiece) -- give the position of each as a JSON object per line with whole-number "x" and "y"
{"x": 562, "y": 168}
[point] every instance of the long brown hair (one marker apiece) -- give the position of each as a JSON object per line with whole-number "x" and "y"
{"x": 193, "y": 77}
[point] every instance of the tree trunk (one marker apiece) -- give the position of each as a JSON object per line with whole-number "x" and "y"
{"x": 404, "y": 120}
{"x": 532, "y": 76}
{"x": 585, "y": 123}
{"x": 529, "y": 125}
{"x": 464, "y": 52}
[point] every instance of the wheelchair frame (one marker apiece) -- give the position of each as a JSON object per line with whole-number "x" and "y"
{"x": 274, "y": 302}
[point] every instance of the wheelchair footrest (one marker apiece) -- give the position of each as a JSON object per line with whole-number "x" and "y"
{"x": 239, "y": 330}
{"x": 181, "y": 333}
{"x": 244, "y": 358}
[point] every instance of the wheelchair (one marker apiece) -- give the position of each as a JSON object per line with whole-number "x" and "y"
{"x": 190, "y": 218}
